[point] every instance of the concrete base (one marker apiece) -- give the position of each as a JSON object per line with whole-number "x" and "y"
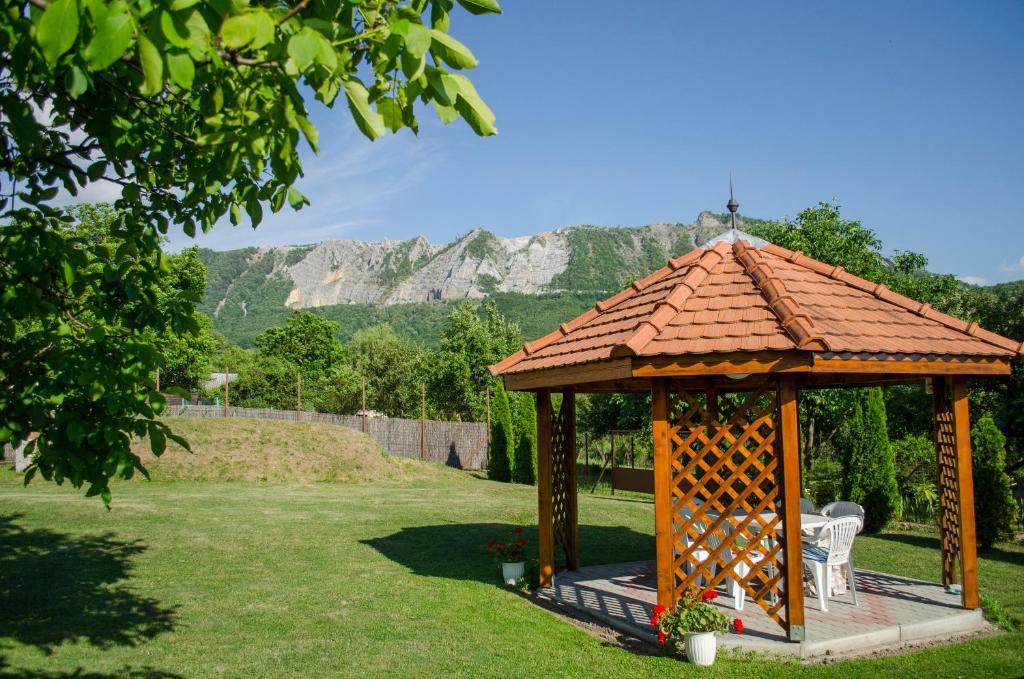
{"x": 891, "y": 611}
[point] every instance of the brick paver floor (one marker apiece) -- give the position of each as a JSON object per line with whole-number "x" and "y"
{"x": 891, "y": 610}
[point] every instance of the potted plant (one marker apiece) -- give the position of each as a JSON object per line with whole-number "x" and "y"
{"x": 511, "y": 556}
{"x": 693, "y": 622}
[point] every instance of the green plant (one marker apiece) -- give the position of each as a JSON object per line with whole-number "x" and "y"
{"x": 512, "y": 551}
{"x": 997, "y": 614}
{"x": 524, "y": 468}
{"x": 993, "y": 500}
{"x": 869, "y": 474}
{"x": 692, "y": 615}
{"x": 499, "y": 465}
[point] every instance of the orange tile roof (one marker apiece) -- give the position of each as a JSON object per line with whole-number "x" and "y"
{"x": 734, "y": 297}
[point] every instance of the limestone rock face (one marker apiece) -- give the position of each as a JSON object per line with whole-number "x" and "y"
{"x": 580, "y": 258}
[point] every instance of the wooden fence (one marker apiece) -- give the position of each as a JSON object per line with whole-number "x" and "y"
{"x": 462, "y": 445}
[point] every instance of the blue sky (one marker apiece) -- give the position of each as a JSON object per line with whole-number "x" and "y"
{"x": 910, "y": 114}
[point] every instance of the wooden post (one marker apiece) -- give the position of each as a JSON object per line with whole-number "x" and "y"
{"x": 298, "y": 395}
{"x": 946, "y": 481}
{"x": 572, "y": 557}
{"x": 965, "y": 493}
{"x": 158, "y": 379}
{"x": 545, "y": 510}
{"x": 225, "y": 392}
{"x": 663, "y": 538}
{"x": 586, "y": 453}
{"x": 488, "y": 415}
{"x": 362, "y": 382}
{"x": 423, "y": 421}
{"x": 787, "y": 451}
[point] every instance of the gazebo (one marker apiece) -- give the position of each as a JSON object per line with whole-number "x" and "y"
{"x": 725, "y": 338}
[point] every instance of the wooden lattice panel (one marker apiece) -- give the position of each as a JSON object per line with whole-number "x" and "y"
{"x": 724, "y": 477}
{"x": 949, "y": 509}
{"x": 561, "y": 482}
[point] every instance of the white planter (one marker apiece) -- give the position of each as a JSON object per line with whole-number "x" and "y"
{"x": 700, "y": 648}
{"x": 511, "y": 572}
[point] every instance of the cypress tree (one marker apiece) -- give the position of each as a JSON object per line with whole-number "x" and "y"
{"x": 993, "y": 499}
{"x": 869, "y": 472}
{"x": 499, "y": 466}
{"x": 524, "y": 469}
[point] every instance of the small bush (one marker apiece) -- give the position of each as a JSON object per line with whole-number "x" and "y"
{"x": 994, "y": 507}
{"x": 869, "y": 475}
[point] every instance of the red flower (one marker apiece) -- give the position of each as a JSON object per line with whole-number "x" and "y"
{"x": 519, "y": 530}
{"x": 501, "y": 545}
{"x": 661, "y": 638}
{"x": 737, "y": 625}
{"x": 521, "y": 543}
{"x": 490, "y": 544}
{"x": 659, "y": 609}
{"x": 709, "y": 595}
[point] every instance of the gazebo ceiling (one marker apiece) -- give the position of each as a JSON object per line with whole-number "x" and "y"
{"x": 735, "y": 309}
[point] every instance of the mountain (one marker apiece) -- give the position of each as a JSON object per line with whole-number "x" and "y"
{"x": 538, "y": 280}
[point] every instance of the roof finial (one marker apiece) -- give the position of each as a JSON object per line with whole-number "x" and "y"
{"x": 732, "y": 204}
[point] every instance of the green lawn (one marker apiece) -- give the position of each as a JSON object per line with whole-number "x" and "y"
{"x": 245, "y": 579}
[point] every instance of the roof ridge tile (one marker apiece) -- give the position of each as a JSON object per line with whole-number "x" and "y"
{"x": 667, "y": 309}
{"x": 791, "y": 317}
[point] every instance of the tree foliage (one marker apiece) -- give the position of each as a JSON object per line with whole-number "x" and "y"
{"x": 499, "y": 465}
{"x": 306, "y": 339}
{"x": 393, "y": 368}
{"x": 194, "y": 111}
{"x": 993, "y": 500}
{"x": 869, "y": 474}
{"x": 524, "y": 467}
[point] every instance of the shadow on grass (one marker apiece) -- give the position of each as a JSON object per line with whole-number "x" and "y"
{"x": 458, "y": 551}
{"x": 57, "y": 588}
{"x": 932, "y": 542}
{"x": 80, "y": 673}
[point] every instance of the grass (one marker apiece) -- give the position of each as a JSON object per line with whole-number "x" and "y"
{"x": 185, "y": 578}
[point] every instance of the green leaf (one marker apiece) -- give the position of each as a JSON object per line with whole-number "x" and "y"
{"x": 472, "y": 108}
{"x": 264, "y": 29}
{"x": 444, "y": 86}
{"x": 391, "y": 112}
{"x": 181, "y": 68}
{"x": 481, "y": 6}
{"x": 152, "y": 66}
{"x": 237, "y": 31}
{"x": 446, "y": 113}
{"x": 369, "y": 121}
{"x": 451, "y": 51}
{"x": 68, "y": 272}
{"x": 113, "y": 36}
{"x": 417, "y": 40}
{"x": 57, "y": 29}
{"x": 413, "y": 66}
{"x": 157, "y": 440}
{"x": 176, "y": 34}
{"x": 296, "y": 199}
{"x": 96, "y": 170}
{"x": 76, "y": 82}
{"x": 303, "y": 48}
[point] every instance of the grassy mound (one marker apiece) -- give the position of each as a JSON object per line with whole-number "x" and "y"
{"x": 238, "y": 449}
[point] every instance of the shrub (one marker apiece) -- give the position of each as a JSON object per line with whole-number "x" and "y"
{"x": 524, "y": 469}
{"x": 869, "y": 474}
{"x": 499, "y": 465}
{"x": 993, "y": 500}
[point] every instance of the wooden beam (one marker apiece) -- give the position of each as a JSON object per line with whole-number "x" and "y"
{"x": 787, "y": 442}
{"x": 722, "y": 364}
{"x": 663, "y": 494}
{"x": 572, "y": 556}
{"x": 545, "y": 513}
{"x": 980, "y": 366}
{"x": 832, "y": 381}
{"x": 556, "y": 378}
{"x": 965, "y": 494}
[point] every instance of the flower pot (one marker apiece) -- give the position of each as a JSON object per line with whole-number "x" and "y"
{"x": 511, "y": 572}
{"x": 701, "y": 647}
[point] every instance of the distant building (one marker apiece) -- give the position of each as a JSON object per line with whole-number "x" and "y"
{"x": 217, "y": 380}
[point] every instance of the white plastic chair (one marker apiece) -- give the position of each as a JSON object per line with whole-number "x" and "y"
{"x": 834, "y": 510}
{"x": 700, "y": 554}
{"x": 839, "y": 534}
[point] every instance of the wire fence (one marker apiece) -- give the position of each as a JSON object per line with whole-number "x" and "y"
{"x": 462, "y": 445}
